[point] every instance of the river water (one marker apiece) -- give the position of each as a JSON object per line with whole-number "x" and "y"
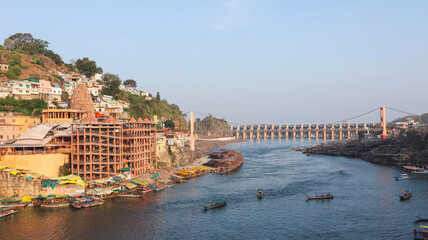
{"x": 365, "y": 205}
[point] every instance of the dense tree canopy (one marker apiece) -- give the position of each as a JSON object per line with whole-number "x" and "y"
{"x": 130, "y": 83}
{"x": 26, "y": 42}
{"x": 87, "y": 67}
{"x": 111, "y": 84}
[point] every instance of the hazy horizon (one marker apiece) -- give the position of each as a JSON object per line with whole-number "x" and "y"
{"x": 278, "y": 62}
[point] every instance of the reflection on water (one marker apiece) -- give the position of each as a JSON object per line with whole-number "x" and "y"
{"x": 366, "y": 204}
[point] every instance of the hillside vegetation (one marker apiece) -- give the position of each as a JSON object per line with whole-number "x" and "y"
{"x": 26, "y": 107}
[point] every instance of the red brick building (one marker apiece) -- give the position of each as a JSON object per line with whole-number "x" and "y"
{"x": 99, "y": 150}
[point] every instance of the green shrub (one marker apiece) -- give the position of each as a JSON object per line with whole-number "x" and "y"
{"x": 14, "y": 59}
{"x": 26, "y": 66}
{"x": 15, "y": 69}
{"x": 26, "y": 107}
{"x": 58, "y": 76}
{"x": 1, "y": 47}
{"x": 11, "y": 75}
{"x": 20, "y": 51}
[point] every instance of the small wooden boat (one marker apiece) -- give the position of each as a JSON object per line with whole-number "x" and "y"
{"x": 421, "y": 234}
{"x": 260, "y": 193}
{"x": 129, "y": 196}
{"x": 7, "y": 212}
{"x": 216, "y": 204}
{"x": 421, "y": 219}
{"x": 86, "y": 202}
{"x": 320, "y": 197}
{"x": 402, "y": 176}
{"x": 179, "y": 180}
{"x": 406, "y": 195}
{"x": 65, "y": 204}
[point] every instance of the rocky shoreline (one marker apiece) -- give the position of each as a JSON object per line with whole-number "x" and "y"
{"x": 386, "y": 152}
{"x": 226, "y": 160}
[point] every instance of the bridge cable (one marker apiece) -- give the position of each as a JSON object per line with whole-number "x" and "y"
{"x": 376, "y": 109}
{"x": 408, "y": 113}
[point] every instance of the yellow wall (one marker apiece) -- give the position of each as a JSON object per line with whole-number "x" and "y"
{"x": 46, "y": 164}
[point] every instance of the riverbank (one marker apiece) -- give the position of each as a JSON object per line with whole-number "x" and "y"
{"x": 396, "y": 151}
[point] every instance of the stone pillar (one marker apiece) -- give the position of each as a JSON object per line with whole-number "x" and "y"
{"x": 279, "y": 131}
{"x": 192, "y": 129}
{"x": 265, "y": 132}
{"x": 286, "y": 131}
{"x": 383, "y": 122}
{"x": 294, "y": 131}
{"x": 340, "y": 132}
{"x": 251, "y": 132}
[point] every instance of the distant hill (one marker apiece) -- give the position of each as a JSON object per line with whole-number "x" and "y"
{"x": 420, "y": 118}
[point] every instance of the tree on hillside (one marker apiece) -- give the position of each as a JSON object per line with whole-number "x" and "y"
{"x": 26, "y": 42}
{"x": 87, "y": 67}
{"x": 158, "y": 97}
{"x": 130, "y": 83}
{"x": 17, "y": 40}
{"x": 111, "y": 84}
{"x": 170, "y": 124}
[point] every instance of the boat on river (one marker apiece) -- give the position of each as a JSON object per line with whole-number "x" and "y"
{"x": 320, "y": 197}
{"x": 415, "y": 169}
{"x": 86, "y": 202}
{"x": 56, "y": 201}
{"x": 146, "y": 189}
{"x": 13, "y": 204}
{"x": 421, "y": 219}
{"x": 220, "y": 202}
{"x": 406, "y": 195}
{"x": 260, "y": 193}
{"x": 129, "y": 194}
{"x": 402, "y": 176}
{"x": 7, "y": 211}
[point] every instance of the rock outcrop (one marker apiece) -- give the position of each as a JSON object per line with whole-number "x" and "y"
{"x": 226, "y": 160}
{"x": 386, "y": 152}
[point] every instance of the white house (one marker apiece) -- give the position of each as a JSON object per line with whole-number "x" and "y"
{"x": 55, "y": 92}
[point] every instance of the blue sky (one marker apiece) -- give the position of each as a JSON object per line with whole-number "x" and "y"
{"x": 271, "y": 61}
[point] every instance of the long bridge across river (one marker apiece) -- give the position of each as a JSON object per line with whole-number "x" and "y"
{"x": 309, "y": 131}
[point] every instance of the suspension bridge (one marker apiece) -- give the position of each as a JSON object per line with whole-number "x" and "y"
{"x": 328, "y": 131}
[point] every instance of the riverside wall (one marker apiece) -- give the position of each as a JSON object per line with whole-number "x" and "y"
{"x": 16, "y": 187}
{"x": 46, "y": 164}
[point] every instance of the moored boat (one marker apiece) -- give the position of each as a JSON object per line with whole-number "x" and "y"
{"x": 61, "y": 201}
{"x": 321, "y": 196}
{"x": 86, "y": 202}
{"x": 402, "y": 176}
{"x": 147, "y": 189}
{"x": 220, "y": 202}
{"x": 260, "y": 193}
{"x": 421, "y": 219}
{"x": 128, "y": 195}
{"x": 7, "y": 211}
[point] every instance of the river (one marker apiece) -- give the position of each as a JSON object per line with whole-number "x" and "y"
{"x": 365, "y": 205}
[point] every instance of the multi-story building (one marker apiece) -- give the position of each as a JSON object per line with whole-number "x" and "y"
{"x": 99, "y": 150}
{"x": 5, "y": 89}
{"x": 55, "y": 92}
{"x": 69, "y": 87}
{"x": 12, "y": 125}
{"x": 44, "y": 89}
